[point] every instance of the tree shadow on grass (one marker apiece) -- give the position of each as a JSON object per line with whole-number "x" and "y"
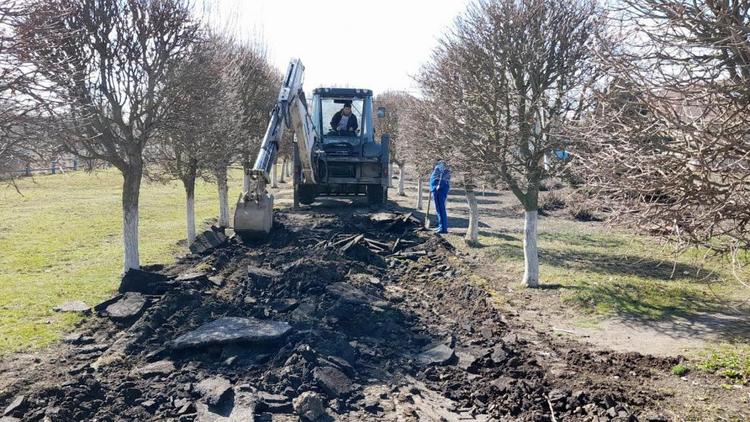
{"x": 675, "y": 312}
{"x": 500, "y": 236}
{"x": 612, "y": 264}
{"x": 484, "y": 212}
{"x": 462, "y": 193}
{"x": 582, "y": 240}
{"x": 558, "y": 286}
{"x": 624, "y": 265}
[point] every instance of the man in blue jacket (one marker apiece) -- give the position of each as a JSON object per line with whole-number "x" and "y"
{"x": 439, "y": 186}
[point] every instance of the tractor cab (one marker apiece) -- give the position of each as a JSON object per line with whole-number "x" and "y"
{"x": 338, "y": 140}
{"x": 347, "y": 159}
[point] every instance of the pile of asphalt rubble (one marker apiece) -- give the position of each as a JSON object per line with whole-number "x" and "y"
{"x": 332, "y": 318}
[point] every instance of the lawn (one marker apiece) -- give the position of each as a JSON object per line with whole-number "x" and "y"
{"x": 607, "y": 272}
{"x": 61, "y": 240}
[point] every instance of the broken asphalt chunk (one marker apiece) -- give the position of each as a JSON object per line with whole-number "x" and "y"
{"x": 309, "y": 406}
{"x": 207, "y": 241}
{"x": 233, "y": 329}
{"x": 240, "y": 409}
{"x": 333, "y": 382}
{"x": 73, "y": 306}
{"x": 283, "y": 305}
{"x": 348, "y": 293}
{"x": 438, "y": 355}
{"x": 274, "y": 403}
{"x": 261, "y": 277}
{"x": 216, "y": 280}
{"x": 162, "y": 367}
{"x": 145, "y": 282}
{"x": 468, "y": 362}
{"x": 213, "y": 390}
{"x": 191, "y": 275}
{"x": 129, "y": 305}
{"x": 77, "y": 339}
{"x": 17, "y": 407}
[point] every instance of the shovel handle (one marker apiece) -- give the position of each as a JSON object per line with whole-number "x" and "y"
{"x": 427, "y": 214}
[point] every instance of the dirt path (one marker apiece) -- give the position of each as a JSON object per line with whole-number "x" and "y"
{"x": 345, "y": 315}
{"x": 374, "y": 332}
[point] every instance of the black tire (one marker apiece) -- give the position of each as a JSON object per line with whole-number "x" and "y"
{"x": 307, "y": 194}
{"x": 376, "y": 195}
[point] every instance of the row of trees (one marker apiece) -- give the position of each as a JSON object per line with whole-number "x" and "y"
{"x": 142, "y": 85}
{"x": 649, "y": 97}
{"x": 498, "y": 94}
{"x": 671, "y": 134}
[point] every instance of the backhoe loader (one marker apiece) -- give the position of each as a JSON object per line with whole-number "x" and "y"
{"x": 327, "y": 160}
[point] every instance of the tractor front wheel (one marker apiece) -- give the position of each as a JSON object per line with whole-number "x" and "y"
{"x": 307, "y": 194}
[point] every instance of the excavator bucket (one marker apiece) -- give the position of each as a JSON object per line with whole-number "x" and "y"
{"x": 253, "y": 217}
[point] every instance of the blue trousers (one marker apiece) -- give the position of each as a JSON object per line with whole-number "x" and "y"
{"x": 439, "y": 196}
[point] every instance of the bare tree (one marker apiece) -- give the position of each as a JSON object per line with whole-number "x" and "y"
{"x": 186, "y": 146}
{"x": 258, "y": 88}
{"x": 507, "y": 81}
{"x": 419, "y": 127}
{"x": 669, "y": 143}
{"x": 18, "y": 122}
{"x": 228, "y": 135}
{"x": 396, "y": 103}
{"x": 105, "y": 66}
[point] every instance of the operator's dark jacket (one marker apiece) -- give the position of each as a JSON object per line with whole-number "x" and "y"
{"x": 350, "y": 125}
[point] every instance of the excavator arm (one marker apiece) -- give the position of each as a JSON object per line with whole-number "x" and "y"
{"x": 253, "y": 217}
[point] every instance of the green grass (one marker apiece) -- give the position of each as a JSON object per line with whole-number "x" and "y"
{"x": 605, "y": 272}
{"x": 729, "y": 361}
{"x": 62, "y": 241}
{"x": 680, "y": 369}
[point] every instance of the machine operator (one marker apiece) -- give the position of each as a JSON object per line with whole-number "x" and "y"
{"x": 344, "y": 119}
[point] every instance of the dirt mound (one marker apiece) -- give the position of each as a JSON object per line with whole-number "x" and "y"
{"x": 350, "y": 318}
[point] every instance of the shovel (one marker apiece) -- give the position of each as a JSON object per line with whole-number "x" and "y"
{"x": 427, "y": 214}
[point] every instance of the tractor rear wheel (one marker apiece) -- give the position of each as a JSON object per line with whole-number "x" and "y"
{"x": 376, "y": 194}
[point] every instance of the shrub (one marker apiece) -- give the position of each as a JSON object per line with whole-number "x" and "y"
{"x": 680, "y": 369}
{"x": 552, "y": 200}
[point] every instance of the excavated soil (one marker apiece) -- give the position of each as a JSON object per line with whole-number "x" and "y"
{"x": 385, "y": 324}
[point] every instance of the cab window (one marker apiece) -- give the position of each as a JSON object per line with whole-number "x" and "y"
{"x": 330, "y": 106}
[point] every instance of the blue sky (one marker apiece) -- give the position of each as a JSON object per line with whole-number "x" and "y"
{"x": 362, "y": 44}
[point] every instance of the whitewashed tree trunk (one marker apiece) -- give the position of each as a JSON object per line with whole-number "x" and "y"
{"x": 190, "y": 217}
{"x": 222, "y": 185}
{"x": 419, "y": 193}
{"x": 283, "y": 171}
{"x": 530, "y": 250}
{"x": 472, "y": 233}
{"x": 289, "y": 170}
{"x": 390, "y": 174}
{"x": 130, "y": 192}
{"x": 274, "y": 176}
{"x": 401, "y": 180}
